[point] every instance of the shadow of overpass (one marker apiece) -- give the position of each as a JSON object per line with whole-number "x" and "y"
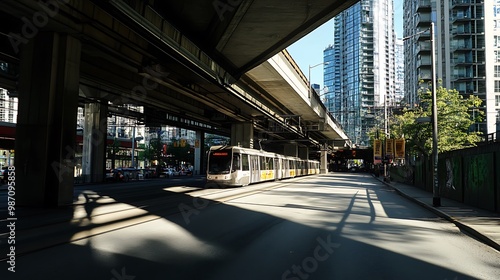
{"x": 184, "y": 237}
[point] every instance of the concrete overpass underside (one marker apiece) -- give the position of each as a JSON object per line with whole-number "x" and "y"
{"x": 187, "y": 62}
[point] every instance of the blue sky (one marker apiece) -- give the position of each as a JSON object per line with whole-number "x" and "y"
{"x": 309, "y": 50}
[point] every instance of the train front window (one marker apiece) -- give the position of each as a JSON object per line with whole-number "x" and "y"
{"x": 236, "y": 162}
{"x": 219, "y": 162}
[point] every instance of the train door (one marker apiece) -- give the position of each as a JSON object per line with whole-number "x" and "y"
{"x": 254, "y": 169}
{"x": 245, "y": 169}
{"x": 277, "y": 169}
{"x": 293, "y": 168}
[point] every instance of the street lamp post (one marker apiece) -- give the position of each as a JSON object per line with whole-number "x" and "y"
{"x": 436, "y": 199}
{"x": 309, "y": 77}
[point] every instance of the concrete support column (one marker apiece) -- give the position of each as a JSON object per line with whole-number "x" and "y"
{"x": 94, "y": 142}
{"x": 291, "y": 150}
{"x": 242, "y": 135}
{"x": 198, "y": 152}
{"x": 46, "y": 123}
{"x": 323, "y": 169}
{"x": 304, "y": 152}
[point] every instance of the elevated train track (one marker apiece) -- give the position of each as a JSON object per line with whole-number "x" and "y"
{"x": 196, "y": 71}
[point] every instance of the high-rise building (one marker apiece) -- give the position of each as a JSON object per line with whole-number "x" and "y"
{"x": 360, "y": 73}
{"x": 467, "y": 40}
{"x": 8, "y": 107}
{"x": 400, "y": 73}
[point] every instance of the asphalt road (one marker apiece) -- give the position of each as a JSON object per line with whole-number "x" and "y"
{"x": 335, "y": 226}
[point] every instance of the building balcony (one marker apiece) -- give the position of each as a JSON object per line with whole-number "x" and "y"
{"x": 425, "y": 35}
{"x": 423, "y": 18}
{"x": 423, "y": 47}
{"x": 460, "y": 47}
{"x": 466, "y": 63}
{"x": 461, "y": 32}
{"x": 367, "y": 104}
{"x": 368, "y": 72}
{"x": 424, "y": 5}
{"x": 460, "y": 3}
{"x": 423, "y": 63}
{"x": 463, "y": 74}
{"x": 425, "y": 76}
{"x": 458, "y": 78}
{"x": 462, "y": 61}
{"x": 461, "y": 18}
{"x": 464, "y": 87}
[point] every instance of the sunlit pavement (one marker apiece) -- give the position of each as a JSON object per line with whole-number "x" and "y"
{"x": 333, "y": 226}
{"x": 482, "y": 224}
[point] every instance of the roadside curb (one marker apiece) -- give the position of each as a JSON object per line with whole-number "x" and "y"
{"x": 469, "y": 229}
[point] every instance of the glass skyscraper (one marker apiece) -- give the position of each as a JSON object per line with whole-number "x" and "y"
{"x": 467, "y": 54}
{"x": 360, "y": 68}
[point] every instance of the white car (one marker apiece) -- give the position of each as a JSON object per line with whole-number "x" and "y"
{"x": 167, "y": 172}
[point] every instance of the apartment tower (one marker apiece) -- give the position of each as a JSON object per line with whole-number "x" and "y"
{"x": 467, "y": 37}
{"x": 360, "y": 68}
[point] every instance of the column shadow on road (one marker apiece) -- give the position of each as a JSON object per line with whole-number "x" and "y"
{"x": 212, "y": 240}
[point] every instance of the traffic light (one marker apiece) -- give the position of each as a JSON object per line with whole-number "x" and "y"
{"x": 353, "y": 153}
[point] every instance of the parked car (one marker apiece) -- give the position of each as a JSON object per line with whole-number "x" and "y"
{"x": 114, "y": 175}
{"x": 150, "y": 173}
{"x": 185, "y": 172}
{"x": 167, "y": 172}
{"x": 109, "y": 175}
{"x": 129, "y": 173}
{"x": 175, "y": 172}
{"x": 353, "y": 168}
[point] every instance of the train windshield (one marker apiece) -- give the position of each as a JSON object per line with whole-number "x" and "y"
{"x": 219, "y": 162}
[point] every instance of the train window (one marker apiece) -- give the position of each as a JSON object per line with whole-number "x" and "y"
{"x": 219, "y": 162}
{"x": 245, "y": 165}
{"x": 266, "y": 163}
{"x": 236, "y": 162}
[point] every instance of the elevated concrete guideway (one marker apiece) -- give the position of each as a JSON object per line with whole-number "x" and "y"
{"x": 281, "y": 77}
{"x": 242, "y": 34}
{"x": 196, "y": 51}
{"x": 200, "y": 65}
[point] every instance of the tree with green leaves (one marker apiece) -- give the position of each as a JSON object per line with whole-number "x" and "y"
{"x": 181, "y": 153}
{"x": 456, "y": 115}
{"x": 113, "y": 150}
{"x": 152, "y": 151}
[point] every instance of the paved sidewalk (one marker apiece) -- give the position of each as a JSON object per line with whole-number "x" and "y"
{"x": 482, "y": 224}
